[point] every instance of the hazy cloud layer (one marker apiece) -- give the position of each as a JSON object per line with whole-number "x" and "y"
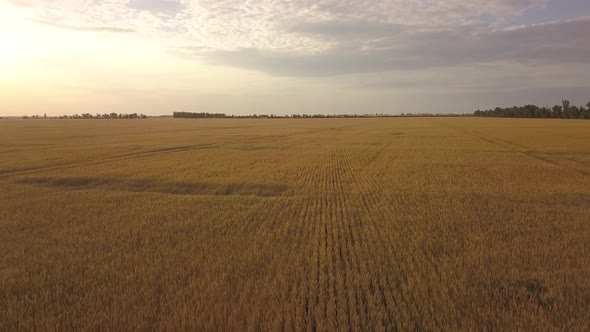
{"x": 111, "y": 29}
{"x": 399, "y": 48}
{"x": 330, "y": 37}
{"x": 168, "y": 7}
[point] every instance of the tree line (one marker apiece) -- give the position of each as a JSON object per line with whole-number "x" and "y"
{"x": 204, "y": 115}
{"x": 563, "y": 111}
{"x": 90, "y": 116}
{"x": 201, "y": 115}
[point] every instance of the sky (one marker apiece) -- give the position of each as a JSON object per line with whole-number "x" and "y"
{"x": 284, "y": 57}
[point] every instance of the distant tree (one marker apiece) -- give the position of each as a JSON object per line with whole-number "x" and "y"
{"x": 557, "y": 112}
{"x": 565, "y": 110}
{"x": 197, "y": 115}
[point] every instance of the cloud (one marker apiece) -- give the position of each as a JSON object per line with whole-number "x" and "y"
{"x": 398, "y": 48}
{"x": 109, "y": 29}
{"x": 304, "y": 26}
{"x": 332, "y": 37}
{"x": 346, "y": 28}
{"x": 167, "y": 7}
{"x": 20, "y": 3}
{"x": 307, "y": 25}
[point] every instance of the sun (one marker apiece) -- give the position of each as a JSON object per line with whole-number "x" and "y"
{"x": 11, "y": 49}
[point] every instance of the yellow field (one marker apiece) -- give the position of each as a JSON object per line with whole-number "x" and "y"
{"x": 320, "y": 224}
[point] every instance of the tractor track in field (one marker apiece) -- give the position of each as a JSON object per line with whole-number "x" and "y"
{"x": 148, "y": 153}
{"x": 549, "y": 158}
{"x": 338, "y": 292}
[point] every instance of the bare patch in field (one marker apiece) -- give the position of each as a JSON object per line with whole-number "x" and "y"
{"x": 150, "y": 185}
{"x": 522, "y": 291}
{"x": 246, "y": 147}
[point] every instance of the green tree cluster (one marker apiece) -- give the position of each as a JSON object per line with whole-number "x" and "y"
{"x": 563, "y": 111}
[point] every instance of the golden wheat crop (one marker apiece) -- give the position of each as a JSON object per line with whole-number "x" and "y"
{"x": 323, "y": 224}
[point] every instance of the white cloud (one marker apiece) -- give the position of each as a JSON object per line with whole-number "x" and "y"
{"x": 267, "y": 24}
{"x": 406, "y": 48}
{"x": 327, "y": 37}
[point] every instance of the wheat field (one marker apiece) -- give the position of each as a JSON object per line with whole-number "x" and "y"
{"x": 295, "y": 224}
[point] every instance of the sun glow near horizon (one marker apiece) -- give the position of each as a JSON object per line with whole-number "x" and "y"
{"x": 15, "y": 42}
{"x": 47, "y": 69}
